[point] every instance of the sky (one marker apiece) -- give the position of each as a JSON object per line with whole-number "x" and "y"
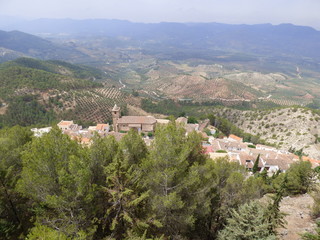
{"x": 298, "y": 12}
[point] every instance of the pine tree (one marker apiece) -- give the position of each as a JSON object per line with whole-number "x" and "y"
{"x": 56, "y": 177}
{"x": 274, "y": 217}
{"x": 174, "y": 178}
{"x": 14, "y": 213}
{"x": 127, "y": 213}
{"x": 247, "y": 222}
{"x": 256, "y": 165}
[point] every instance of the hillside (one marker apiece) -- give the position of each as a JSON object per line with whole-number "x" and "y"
{"x": 37, "y": 92}
{"x": 204, "y": 81}
{"x": 15, "y": 44}
{"x": 289, "y": 128}
{"x": 276, "y": 65}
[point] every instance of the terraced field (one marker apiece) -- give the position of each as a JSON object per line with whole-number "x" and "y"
{"x": 90, "y": 105}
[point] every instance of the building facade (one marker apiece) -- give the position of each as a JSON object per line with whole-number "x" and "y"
{"x": 125, "y": 123}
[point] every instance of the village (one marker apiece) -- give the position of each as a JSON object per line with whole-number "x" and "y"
{"x": 232, "y": 147}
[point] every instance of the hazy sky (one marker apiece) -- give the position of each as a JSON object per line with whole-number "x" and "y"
{"x": 299, "y": 12}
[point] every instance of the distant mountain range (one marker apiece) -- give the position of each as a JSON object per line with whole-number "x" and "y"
{"x": 285, "y": 40}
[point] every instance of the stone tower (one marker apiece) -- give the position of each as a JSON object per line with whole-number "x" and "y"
{"x": 115, "y": 116}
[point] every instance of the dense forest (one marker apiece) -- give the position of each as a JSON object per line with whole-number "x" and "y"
{"x": 54, "y": 188}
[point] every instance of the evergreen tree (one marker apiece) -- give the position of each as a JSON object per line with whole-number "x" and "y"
{"x": 127, "y": 213}
{"x": 174, "y": 179}
{"x": 300, "y": 177}
{"x": 56, "y": 177}
{"x": 14, "y": 209}
{"x": 256, "y": 165}
{"x": 274, "y": 217}
{"x": 247, "y": 223}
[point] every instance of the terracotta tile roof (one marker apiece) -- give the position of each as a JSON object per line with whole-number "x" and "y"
{"x": 101, "y": 126}
{"x": 314, "y": 162}
{"x": 208, "y": 149}
{"x": 234, "y": 137}
{"x": 137, "y": 120}
{"x": 65, "y": 123}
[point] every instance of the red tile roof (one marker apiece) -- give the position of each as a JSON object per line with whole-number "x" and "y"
{"x": 101, "y": 126}
{"x": 65, "y": 123}
{"x": 232, "y": 136}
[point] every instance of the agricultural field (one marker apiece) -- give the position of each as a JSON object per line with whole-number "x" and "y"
{"x": 91, "y": 105}
{"x": 209, "y": 81}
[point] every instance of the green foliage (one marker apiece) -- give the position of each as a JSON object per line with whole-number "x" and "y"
{"x": 273, "y": 216}
{"x": 26, "y": 111}
{"x": 300, "y": 177}
{"x": 57, "y": 177}
{"x": 167, "y": 107}
{"x": 173, "y": 177}
{"x": 16, "y": 77}
{"x": 221, "y": 151}
{"x": 228, "y": 128}
{"x": 251, "y": 146}
{"x": 255, "y": 167}
{"x": 192, "y": 120}
{"x": 45, "y": 233}
{"x": 248, "y": 223}
{"x": 14, "y": 212}
{"x": 57, "y": 67}
{"x": 316, "y": 205}
{"x": 55, "y": 188}
{"x": 22, "y": 80}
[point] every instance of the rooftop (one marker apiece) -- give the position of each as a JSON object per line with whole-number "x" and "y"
{"x": 65, "y": 123}
{"x": 234, "y": 137}
{"x": 137, "y": 120}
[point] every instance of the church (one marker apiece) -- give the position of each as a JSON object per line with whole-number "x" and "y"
{"x": 125, "y": 123}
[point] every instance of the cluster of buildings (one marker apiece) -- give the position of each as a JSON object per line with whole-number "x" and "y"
{"x": 270, "y": 158}
{"x": 232, "y": 147}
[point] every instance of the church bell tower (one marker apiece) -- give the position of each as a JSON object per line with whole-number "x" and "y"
{"x": 115, "y": 116}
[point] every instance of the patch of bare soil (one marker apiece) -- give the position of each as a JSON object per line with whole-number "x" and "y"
{"x": 3, "y": 110}
{"x": 299, "y": 219}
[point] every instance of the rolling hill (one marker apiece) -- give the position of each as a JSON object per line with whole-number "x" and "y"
{"x": 37, "y": 92}
{"x": 15, "y": 44}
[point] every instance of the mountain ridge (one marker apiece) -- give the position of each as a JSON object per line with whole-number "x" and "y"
{"x": 283, "y": 39}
